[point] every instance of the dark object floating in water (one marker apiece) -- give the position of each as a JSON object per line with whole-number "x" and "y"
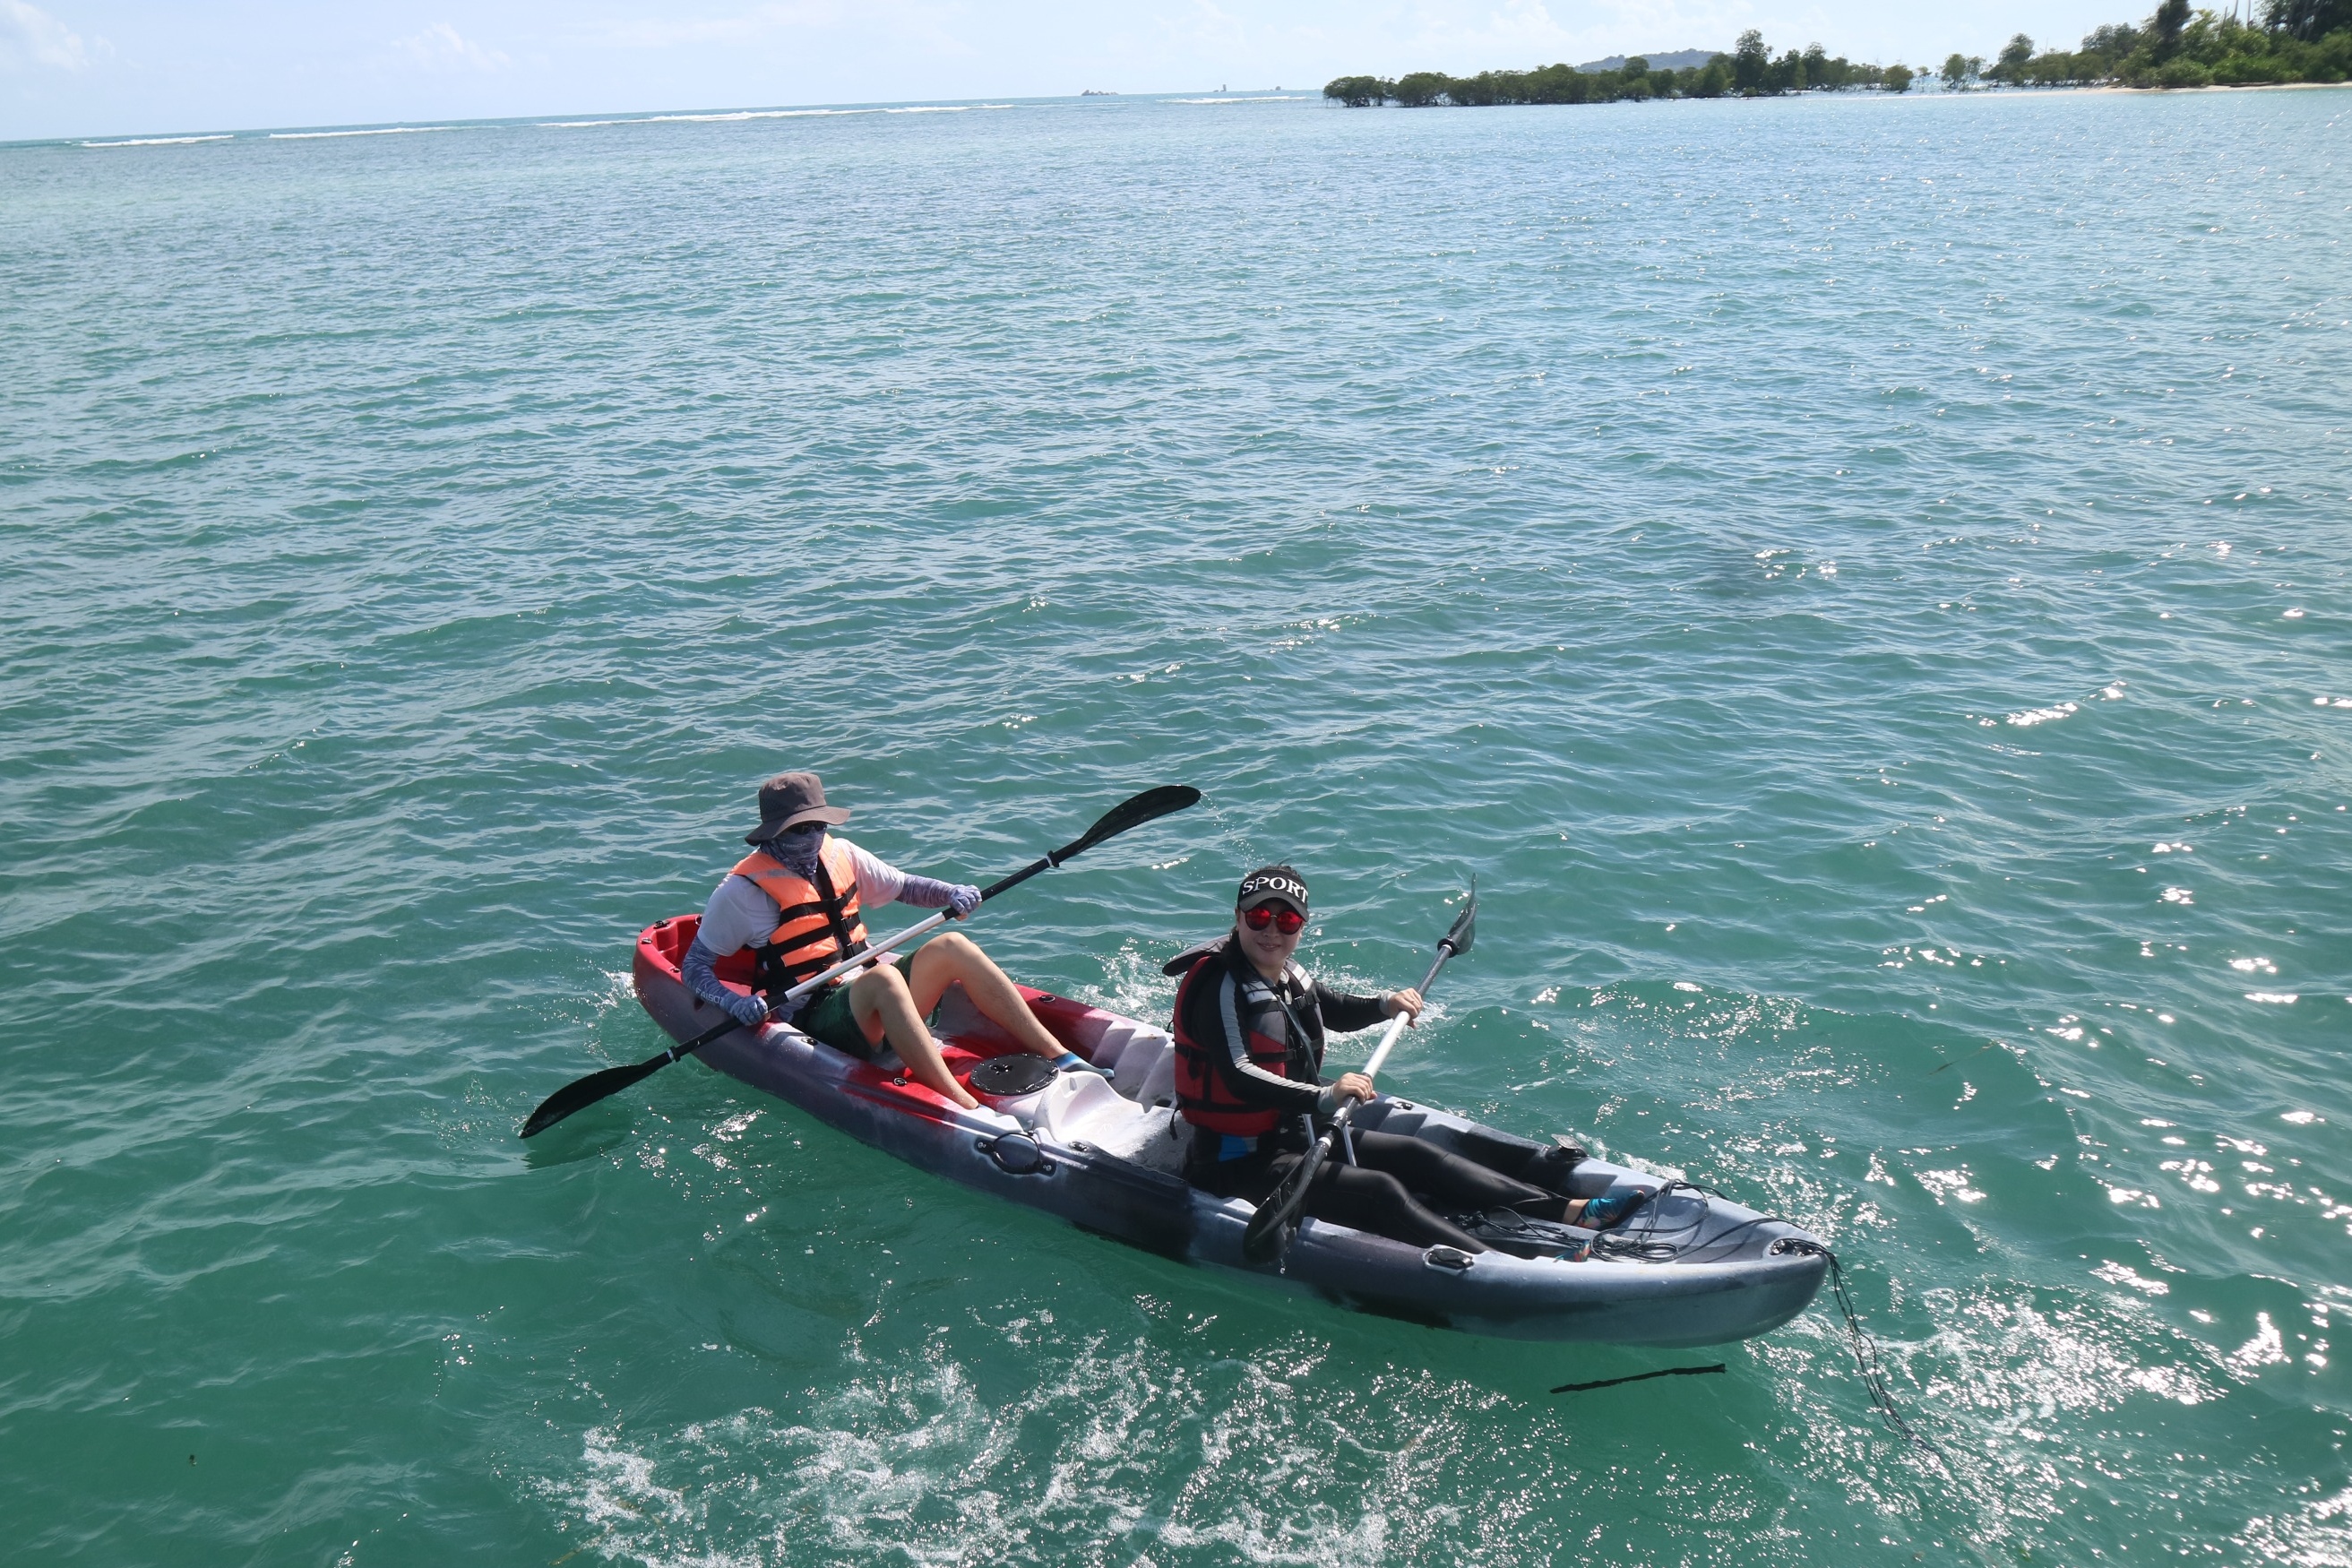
{"x": 1638, "y": 1377}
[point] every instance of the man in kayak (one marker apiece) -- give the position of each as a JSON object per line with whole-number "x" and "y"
{"x": 1249, "y": 1055}
{"x": 794, "y": 901}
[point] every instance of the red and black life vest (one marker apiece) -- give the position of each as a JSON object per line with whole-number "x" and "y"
{"x": 816, "y": 921}
{"x": 1285, "y": 1039}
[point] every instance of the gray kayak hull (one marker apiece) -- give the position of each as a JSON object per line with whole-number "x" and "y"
{"x": 1106, "y": 1155}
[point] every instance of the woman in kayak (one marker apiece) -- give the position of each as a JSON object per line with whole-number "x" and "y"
{"x": 794, "y": 901}
{"x": 1249, "y": 1055}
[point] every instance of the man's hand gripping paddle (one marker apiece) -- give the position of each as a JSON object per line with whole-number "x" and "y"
{"x": 1272, "y": 1228}
{"x": 581, "y": 1093}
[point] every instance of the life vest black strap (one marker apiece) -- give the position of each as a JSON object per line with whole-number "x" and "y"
{"x": 833, "y": 901}
{"x": 777, "y": 976}
{"x": 1304, "y": 1053}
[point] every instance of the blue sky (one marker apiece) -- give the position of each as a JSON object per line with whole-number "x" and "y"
{"x": 71, "y": 67}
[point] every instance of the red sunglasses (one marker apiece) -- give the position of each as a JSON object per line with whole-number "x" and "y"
{"x": 1285, "y": 920}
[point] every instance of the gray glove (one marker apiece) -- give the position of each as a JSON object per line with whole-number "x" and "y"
{"x": 749, "y": 1011}
{"x": 963, "y": 898}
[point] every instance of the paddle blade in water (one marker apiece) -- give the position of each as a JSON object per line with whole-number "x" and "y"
{"x": 1277, "y": 1221}
{"x": 582, "y": 1093}
{"x": 1466, "y": 925}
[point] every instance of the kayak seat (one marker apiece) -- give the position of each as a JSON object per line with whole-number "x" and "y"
{"x": 1083, "y": 1107}
{"x": 1146, "y": 1069}
{"x": 1158, "y": 1088}
{"x": 1111, "y": 1044}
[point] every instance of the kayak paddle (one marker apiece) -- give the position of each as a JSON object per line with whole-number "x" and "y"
{"x": 581, "y": 1093}
{"x": 1275, "y": 1223}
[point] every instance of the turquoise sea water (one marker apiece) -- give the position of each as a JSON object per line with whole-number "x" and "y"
{"x": 1861, "y": 583}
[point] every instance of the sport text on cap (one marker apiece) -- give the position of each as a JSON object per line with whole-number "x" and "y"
{"x": 1282, "y": 882}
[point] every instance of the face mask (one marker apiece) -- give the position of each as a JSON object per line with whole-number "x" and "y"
{"x": 797, "y": 852}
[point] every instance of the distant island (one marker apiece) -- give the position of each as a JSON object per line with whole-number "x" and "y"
{"x": 1098, "y": 92}
{"x": 1679, "y": 59}
{"x": 1750, "y": 70}
{"x": 2293, "y": 41}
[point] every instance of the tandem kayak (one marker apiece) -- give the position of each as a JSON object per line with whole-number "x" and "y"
{"x": 1107, "y": 1154}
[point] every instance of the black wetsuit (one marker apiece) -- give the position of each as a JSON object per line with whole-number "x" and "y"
{"x": 1225, "y": 1002}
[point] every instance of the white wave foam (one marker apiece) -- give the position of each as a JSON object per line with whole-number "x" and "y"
{"x": 915, "y": 1467}
{"x": 2032, "y": 716}
{"x": 162, "y": 141}
{"x": 736, "y": 114}
{"x": 383, "y": 130}
{"x": 748, "y": 114}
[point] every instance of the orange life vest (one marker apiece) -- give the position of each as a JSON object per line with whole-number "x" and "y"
{"x": 816, "y": 921}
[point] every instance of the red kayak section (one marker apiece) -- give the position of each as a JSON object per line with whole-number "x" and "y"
{"x": 661, "y": 948}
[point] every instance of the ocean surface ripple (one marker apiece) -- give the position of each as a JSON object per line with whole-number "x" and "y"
{"x": 1861, "y": 583}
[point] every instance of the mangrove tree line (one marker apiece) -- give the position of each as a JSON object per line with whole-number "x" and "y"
{"x": 1750, "y": 70}
{"x": 2294, "y": 41}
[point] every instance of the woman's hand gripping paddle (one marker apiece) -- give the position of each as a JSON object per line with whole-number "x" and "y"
{"x": 1272, "y": 1228}
{"x": 581, "y": 1093}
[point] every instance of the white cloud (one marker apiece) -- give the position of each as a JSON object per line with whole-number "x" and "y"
{"x": 667, "y": 31}
{"x": 31, "y": 36}
{"x": 942, "y": 26}
{"x": 440, "y": 47}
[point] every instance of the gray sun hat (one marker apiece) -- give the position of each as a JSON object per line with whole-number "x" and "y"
{"x": 792, "y": 797}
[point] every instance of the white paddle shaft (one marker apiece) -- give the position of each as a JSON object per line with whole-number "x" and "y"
{"x": 1387, "y": 1042}
{"x": 1346, "y": 1112}
{"x": 871, "y": 955}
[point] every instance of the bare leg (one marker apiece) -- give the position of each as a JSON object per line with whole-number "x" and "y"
{"x": 880, "y": 1002}
{"x": 955, "y": 958}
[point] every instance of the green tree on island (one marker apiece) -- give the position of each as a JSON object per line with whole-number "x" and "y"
{"x": 2171, "y": 20}
{"x": 1749, "y": 62}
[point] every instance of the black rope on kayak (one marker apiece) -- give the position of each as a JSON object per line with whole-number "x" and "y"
{"x": 1638, "y": 1377}
{"x": 1865, "y": 1348}
{"x": 1619, "y": 1246}
{"x": 1724, "y": 1239}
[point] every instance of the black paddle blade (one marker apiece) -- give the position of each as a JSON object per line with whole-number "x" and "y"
{"x": 1275, "y": 1224}
{"x": 1466, "y": 925}
{"x": 582, "y": 1093}
{"x": 1132, "y": 813}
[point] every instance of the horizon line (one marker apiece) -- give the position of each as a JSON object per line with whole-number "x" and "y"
{"x": 185, "y": 136}
{"x": 570, "y": 119}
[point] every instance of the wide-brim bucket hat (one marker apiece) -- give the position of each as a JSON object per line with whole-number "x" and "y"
{"x": 789, "y": 798}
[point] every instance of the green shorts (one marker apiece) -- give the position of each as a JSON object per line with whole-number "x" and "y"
{"x": 829, "y": 1018}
